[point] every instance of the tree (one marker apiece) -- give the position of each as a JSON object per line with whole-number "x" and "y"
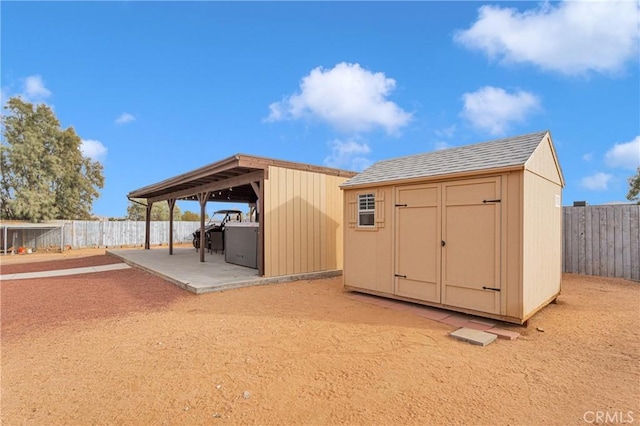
{"x": 159, "y": 211}
{"x": 189, "y": 216}
{"x": 634, "y": 187}
{"x": 45, "y": 176}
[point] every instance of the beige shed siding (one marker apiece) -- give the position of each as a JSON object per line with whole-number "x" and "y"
{"x": 370, "y": 251}
{"x": 512, "y": 254}
{"x": 542, "y": 241}
{"x": 302, "y": 222}
{"x": 543, "y": 162}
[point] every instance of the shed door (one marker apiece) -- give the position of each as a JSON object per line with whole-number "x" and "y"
{"x": 418, "y": 242}
{"x": 471, "y": 255}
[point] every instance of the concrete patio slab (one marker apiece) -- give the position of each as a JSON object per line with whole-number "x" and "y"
{"x": 475, "y": 337}
{"x": 184, "y": 269}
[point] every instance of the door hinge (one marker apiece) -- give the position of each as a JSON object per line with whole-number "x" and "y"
{"x": 491, "y": 201}
{"x": 401, "y": 205}
{"x": 490, "y": 288}
{"x": 400, "y": 276}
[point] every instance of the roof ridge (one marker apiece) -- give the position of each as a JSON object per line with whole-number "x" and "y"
{"x": 453, "y": 148}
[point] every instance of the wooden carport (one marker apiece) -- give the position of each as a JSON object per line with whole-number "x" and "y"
{"x": 245, "y": 179}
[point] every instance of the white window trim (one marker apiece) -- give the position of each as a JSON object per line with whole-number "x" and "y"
{"x": 370, "y": 199}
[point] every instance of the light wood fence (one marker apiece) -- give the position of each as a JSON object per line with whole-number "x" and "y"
{"x": 81, "y": 234}
{"x": 602, "y": 240}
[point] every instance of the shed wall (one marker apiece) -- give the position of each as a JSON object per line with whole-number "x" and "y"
{"x": 370, "y": 251}
{"x": 512, "y": 243}
{"x": 543, "y": 162}
{"x": 542, "y": 241}
{"x": 302, "y": 222}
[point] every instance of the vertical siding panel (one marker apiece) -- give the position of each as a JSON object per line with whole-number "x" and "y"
{"x": 311, "y": 221}
{"x": 316, "y": 221}
{"x": 333, "y": 191}
{"x": 272, "y": 216}
{"x": 297, "y": 246}
{"x": 626, "y": 247}
{"x": 588, "y": 252}
{"x": 304, "y": 222}
{"x": 290, "y": 221}
{"x": 323, "y": 223}
{"x": 282, "y": 222}
{"x": 266, "y": 217}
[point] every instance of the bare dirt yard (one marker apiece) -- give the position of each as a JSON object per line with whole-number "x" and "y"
{"x": 125, "y": 347}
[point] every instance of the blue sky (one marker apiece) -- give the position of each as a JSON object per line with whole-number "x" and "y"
{"x": 156, "y": 89}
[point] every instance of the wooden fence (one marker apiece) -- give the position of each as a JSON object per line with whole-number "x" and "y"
{"x": 81, "y": 233}
{"x": 602, "y": 240}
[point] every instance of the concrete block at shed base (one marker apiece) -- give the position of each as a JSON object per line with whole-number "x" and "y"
{"x": 475, "y": 337}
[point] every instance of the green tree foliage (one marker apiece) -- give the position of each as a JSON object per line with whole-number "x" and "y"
{"x": 190, "y": 216}
{"x": 159, "y": 211}
{"x": 44, "y": 174}
{"x": 634, "y": 187}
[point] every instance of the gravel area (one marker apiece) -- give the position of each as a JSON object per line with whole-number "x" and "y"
{"x": 125, "y": 347}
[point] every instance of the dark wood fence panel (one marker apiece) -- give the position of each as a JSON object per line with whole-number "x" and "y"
{"x": 602, "y": 240}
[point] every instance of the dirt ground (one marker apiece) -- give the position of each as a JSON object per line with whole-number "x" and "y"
{"x": 125, "y": 347}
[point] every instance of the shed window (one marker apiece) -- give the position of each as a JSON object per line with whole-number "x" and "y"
{"x": 366, "y": 209}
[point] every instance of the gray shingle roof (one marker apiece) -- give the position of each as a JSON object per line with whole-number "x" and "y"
{"x": 494, "y": 154}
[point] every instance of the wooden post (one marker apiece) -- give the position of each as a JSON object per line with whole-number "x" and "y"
{"x": 147, "y": 228}
{"x": 172, "y": 203}
{"x": 260, "y": 217}
{"x": 202, "y": 199}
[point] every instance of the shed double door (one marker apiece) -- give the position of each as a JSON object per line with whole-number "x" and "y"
{"x": 448, "y": 247}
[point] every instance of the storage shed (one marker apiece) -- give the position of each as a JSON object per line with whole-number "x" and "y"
{"x": 299, "y": 210}
{"x": 475, "y": 229}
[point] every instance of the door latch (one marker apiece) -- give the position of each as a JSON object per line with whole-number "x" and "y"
{"x": 442, "y": 243}
{"x": 400, "y": 276}
{"x": 491, "y": 201}
{"x": 490, "y": 288}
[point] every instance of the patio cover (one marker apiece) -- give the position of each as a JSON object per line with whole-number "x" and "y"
{"x": 238, "y": 178}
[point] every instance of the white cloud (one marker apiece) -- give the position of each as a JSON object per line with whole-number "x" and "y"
{"x": 588, "y": 156}
{"x": 493, "y": 109}
{"x": 34, "y": 88}
{"x": 125, "y": 117}
{"x": 348, "y": 97}
{"x": 349, "y": 154}
{"x": 93, "y": 149}
{"x": 625, "y": 155}
{"x": 597, "y": 182}
{"x": 573, "y": 37}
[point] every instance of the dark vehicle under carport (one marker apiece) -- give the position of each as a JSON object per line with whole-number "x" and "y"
{"x": 214, "y": 231}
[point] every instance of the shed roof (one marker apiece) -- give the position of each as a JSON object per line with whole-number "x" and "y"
{"x": 485, "y": 156}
